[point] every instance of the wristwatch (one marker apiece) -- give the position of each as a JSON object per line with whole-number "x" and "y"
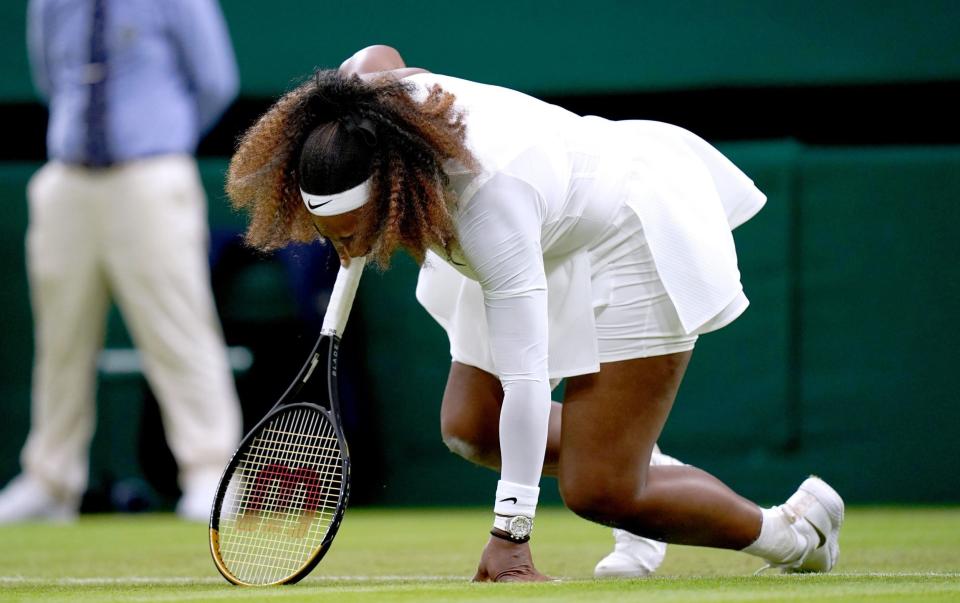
{"x": 518, "y": 527}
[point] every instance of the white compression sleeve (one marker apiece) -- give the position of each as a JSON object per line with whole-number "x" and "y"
{"x": 499, "y": 232}
{"x": 523, "y": 434}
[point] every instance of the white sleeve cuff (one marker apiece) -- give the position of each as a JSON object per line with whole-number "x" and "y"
{"x": 516, "y": 499}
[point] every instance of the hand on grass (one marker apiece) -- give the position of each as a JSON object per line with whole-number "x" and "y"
{"x": 503, "y": 561}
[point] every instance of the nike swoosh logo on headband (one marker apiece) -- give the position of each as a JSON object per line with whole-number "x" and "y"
{"x": 337, "y": 203}
{"x": 318, "y": 205}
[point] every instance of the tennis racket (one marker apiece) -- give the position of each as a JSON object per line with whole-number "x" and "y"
{"x": 282, "y": 496}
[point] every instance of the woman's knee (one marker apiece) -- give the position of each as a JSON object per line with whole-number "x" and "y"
{"x": 602, "y": 496}
{"x": 470, "y": 415}
{"x": 466, "y": 437}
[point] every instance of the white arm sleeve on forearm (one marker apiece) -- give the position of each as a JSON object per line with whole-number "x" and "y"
{"x": 499, "y": 232}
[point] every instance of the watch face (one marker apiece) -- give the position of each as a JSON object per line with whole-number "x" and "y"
{"x": 520, "y": 526}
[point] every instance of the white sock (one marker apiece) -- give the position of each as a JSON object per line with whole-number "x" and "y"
{"x": 778, "y": 541}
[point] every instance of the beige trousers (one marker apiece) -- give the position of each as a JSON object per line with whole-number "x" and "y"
{"x": 136, "y": 233}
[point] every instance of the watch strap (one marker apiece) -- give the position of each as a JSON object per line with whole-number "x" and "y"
{"x": 506, "y": 536}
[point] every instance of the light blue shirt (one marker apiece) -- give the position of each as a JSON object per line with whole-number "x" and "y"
{"x": 170, "y": 72}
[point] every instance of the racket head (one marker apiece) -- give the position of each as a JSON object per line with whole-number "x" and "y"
{"x": 281, "y": 498}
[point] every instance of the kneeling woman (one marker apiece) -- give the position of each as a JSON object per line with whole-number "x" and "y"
{"x": 552, "y": 246}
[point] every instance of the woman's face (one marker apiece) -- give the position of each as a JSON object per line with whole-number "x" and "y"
{"x": 343, "y": 231}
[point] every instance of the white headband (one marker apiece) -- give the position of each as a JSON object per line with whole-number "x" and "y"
{"x": 337, "y": 203}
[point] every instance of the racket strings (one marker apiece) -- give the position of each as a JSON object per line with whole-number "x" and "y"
{"x": 282, "y": 497}
{"x": 274, "y": 540}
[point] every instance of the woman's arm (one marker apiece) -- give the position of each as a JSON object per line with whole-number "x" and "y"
{"x": 376, "y": 60}
{"x": 499, "y": 232}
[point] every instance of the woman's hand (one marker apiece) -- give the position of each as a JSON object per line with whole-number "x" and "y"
{"x": 504, "y": 561}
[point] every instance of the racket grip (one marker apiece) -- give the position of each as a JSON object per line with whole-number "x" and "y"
{"x": 341, "y": 299}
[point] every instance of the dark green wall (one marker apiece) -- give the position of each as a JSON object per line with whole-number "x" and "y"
{"x": 601, "y": 46}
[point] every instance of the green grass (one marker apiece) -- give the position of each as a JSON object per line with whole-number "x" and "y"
{"x": 429, "y": 555}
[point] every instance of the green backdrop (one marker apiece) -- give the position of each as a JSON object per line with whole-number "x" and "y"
{"x": 557, "y": 46}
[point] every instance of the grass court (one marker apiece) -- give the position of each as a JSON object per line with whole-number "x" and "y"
{"x": 421, "y": 555}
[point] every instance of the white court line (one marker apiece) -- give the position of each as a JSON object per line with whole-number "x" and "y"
{"x": 182, "y": 580}
{"x": 880, "y": 575}
{"x": 186, "y": 580}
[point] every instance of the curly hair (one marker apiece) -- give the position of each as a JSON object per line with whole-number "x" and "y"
{"x": 309, "y": 139}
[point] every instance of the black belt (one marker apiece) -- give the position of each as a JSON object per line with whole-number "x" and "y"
{"x": 98, "y": 165}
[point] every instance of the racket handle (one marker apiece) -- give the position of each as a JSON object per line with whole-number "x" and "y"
{"x": 341, "y": 299}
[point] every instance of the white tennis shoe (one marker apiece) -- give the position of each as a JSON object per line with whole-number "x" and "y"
{"x": 632, "y": 557}
{"x": 816, "y": 512}
{"x": 27, "y": 499}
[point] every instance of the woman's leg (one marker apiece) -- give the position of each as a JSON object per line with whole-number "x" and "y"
{"x": 611, "y": 420}
{"x": 470, "y": 419}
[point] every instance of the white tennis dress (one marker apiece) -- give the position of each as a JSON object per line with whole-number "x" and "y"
{"x": 562, "y": 201}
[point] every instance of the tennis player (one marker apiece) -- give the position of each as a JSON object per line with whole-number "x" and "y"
{"x": 553, "y": 246}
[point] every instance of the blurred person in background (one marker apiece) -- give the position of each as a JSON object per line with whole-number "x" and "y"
{"x": 119, "y": 212}
{"x": 572, "y": 247}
